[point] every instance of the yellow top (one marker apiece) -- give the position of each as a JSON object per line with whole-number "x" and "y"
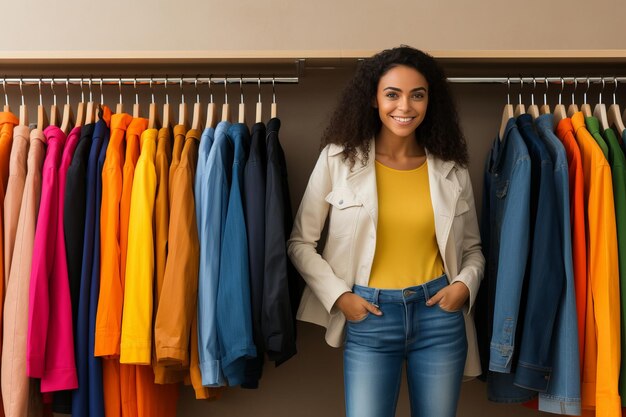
{"x": 406, "y": 247}
{"x": 136, "y": 343}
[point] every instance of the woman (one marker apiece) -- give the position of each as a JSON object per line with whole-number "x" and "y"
{"x": 402, "y": 261}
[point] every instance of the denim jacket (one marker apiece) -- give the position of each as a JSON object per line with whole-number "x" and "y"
{"x": 563, "y": 393}
{"x": 505, "y": 236}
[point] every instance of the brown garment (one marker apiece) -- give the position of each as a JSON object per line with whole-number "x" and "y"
{"x": 15, "y": 189}
{"x": 175, "y": 313}
{"x": 21, "y": 394}
{"x": 161, "y": 219}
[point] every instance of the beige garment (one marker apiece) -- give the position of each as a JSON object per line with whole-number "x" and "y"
{"x": 15, "y": 189}
{"x": 21, "y": 395}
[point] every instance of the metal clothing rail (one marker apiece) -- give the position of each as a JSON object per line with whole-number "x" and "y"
{"x": 135, "y": 81}
{"x": 531, "y": 80}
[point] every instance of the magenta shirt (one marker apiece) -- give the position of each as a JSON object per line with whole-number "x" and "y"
{"x": 50, "y": 310}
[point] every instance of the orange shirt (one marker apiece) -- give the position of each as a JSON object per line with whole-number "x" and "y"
{"x": 601, "y": 363}
{"x": 110, "y": 300}
{"x": 565, "y": 132}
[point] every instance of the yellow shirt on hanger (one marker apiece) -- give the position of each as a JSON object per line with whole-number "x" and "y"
{"x": 406, "y": 246}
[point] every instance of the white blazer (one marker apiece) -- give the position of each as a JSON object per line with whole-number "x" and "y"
{"x": 351, "y": 197}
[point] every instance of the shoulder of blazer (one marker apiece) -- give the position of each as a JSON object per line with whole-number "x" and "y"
{"x": 440, "y": 166}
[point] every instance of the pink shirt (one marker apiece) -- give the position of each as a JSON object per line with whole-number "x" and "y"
{"x": 50, "y": 310}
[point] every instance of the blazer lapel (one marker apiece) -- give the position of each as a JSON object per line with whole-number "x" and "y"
{"x": 444, "y": 194}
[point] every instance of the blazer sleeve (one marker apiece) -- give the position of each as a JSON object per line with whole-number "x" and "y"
{"x": 472, "y": 266}
{"x": 307, "y": 228}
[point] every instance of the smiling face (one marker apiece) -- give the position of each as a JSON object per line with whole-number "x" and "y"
{"x": 401, "y": 100}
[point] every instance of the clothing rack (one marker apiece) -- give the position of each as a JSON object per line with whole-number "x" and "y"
{"x": 135, "y": 81}
{"x": 531, "y": 80}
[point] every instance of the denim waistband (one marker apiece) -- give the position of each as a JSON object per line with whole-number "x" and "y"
{"x": 411, "y": 294}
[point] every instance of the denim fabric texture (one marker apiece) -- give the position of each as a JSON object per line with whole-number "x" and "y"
{"x": 214, "y": 204}
{"x": 234, "y": 315}
{"x": 563, "y": 392}
{"x": 506, "y": 212}
{"x": 429, "y": 340}
{"x": 545, "y": 269}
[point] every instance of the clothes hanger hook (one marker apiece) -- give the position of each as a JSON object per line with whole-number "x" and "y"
{"x": 600, "y": 95}
{"x": 259, "y": 88}
{"x": 54, "y": 93}
{"x": 545, "y": 94}
{"x": 40, "y": 95}
{"x": 182, "y": 93}
{"x": 225, "y": 91}
{"x": 574, "y": 90}
{"x": 615, "y": 89}
{"x": 67, "y": 90}
{"x": 532, "y": 93}
{"x": 4, "y": 88}
{"x": 151, "y": 90}
{"x": 508, "y": 90}
{"x": 585, "y": 94}
{"x": 196, "y": 87}
{"x": 241, "y": 87}
{"x": 521, "y": 87}
{"x": 101, "y": 93}
{"x": 167, "y": 96}
{"x": 82, "y": 91}
{"x": 211, "y": 88}
{"x": 274, "y": 90}
{"x": 562, "y": 87}
{"x": 136, "y": 93}
{"x": 90, "y": 92}
{"x": 119, "y": 85}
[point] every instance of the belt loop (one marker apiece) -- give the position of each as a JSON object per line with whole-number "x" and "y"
{"x": 426, "y": 293}
{"x": 376, "y": 294}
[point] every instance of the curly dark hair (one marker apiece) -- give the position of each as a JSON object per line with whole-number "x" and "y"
{"x": 355, "y": 121}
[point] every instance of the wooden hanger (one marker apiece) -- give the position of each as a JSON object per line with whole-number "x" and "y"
{"x": 614, "y": 113}
{"x": 573, "y": 108}
{"x": 68, "y": 115}
{"x": 225, "y": 106}
{"x": 559, "y": 110}
{"x": 211, "y": 112}
{"x": 119, "y": 108}
{"x": 519, "y": 108}
{"x": 80, "y": 109}
{"x": 533, "y": 110}
{"x": 153, "y": 112}
{"x": 545, "y": 108}
{"x": 6, "y": 96}
{"x": 183, "y": 112}
{"x": 136, "y": 108}
{"x": 274, "y": 110}
{"x": 242, "y": 106}
{"x": 196, "y": 121}
{"x": 167, "y": 109}
{"x": 508, "y": 112}
{"x": 23, "y": 109}
{"x": 599, "y": 111}
{"x": 91, "y": 107}
{"x": 42, "y": 116}
{"x": 586, "y": 108}
{"x": 259, "y": 106}
{"x": 55, "y": 119}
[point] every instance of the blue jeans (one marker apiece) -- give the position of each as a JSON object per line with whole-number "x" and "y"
{"x": 431, "y": 340}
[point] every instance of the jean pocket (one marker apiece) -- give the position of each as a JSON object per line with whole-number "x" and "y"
{"x": 460, "y": 310}
{"x": 361, "y": 320}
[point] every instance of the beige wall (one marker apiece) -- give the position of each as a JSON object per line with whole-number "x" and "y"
{"x": 311, "y": 25}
